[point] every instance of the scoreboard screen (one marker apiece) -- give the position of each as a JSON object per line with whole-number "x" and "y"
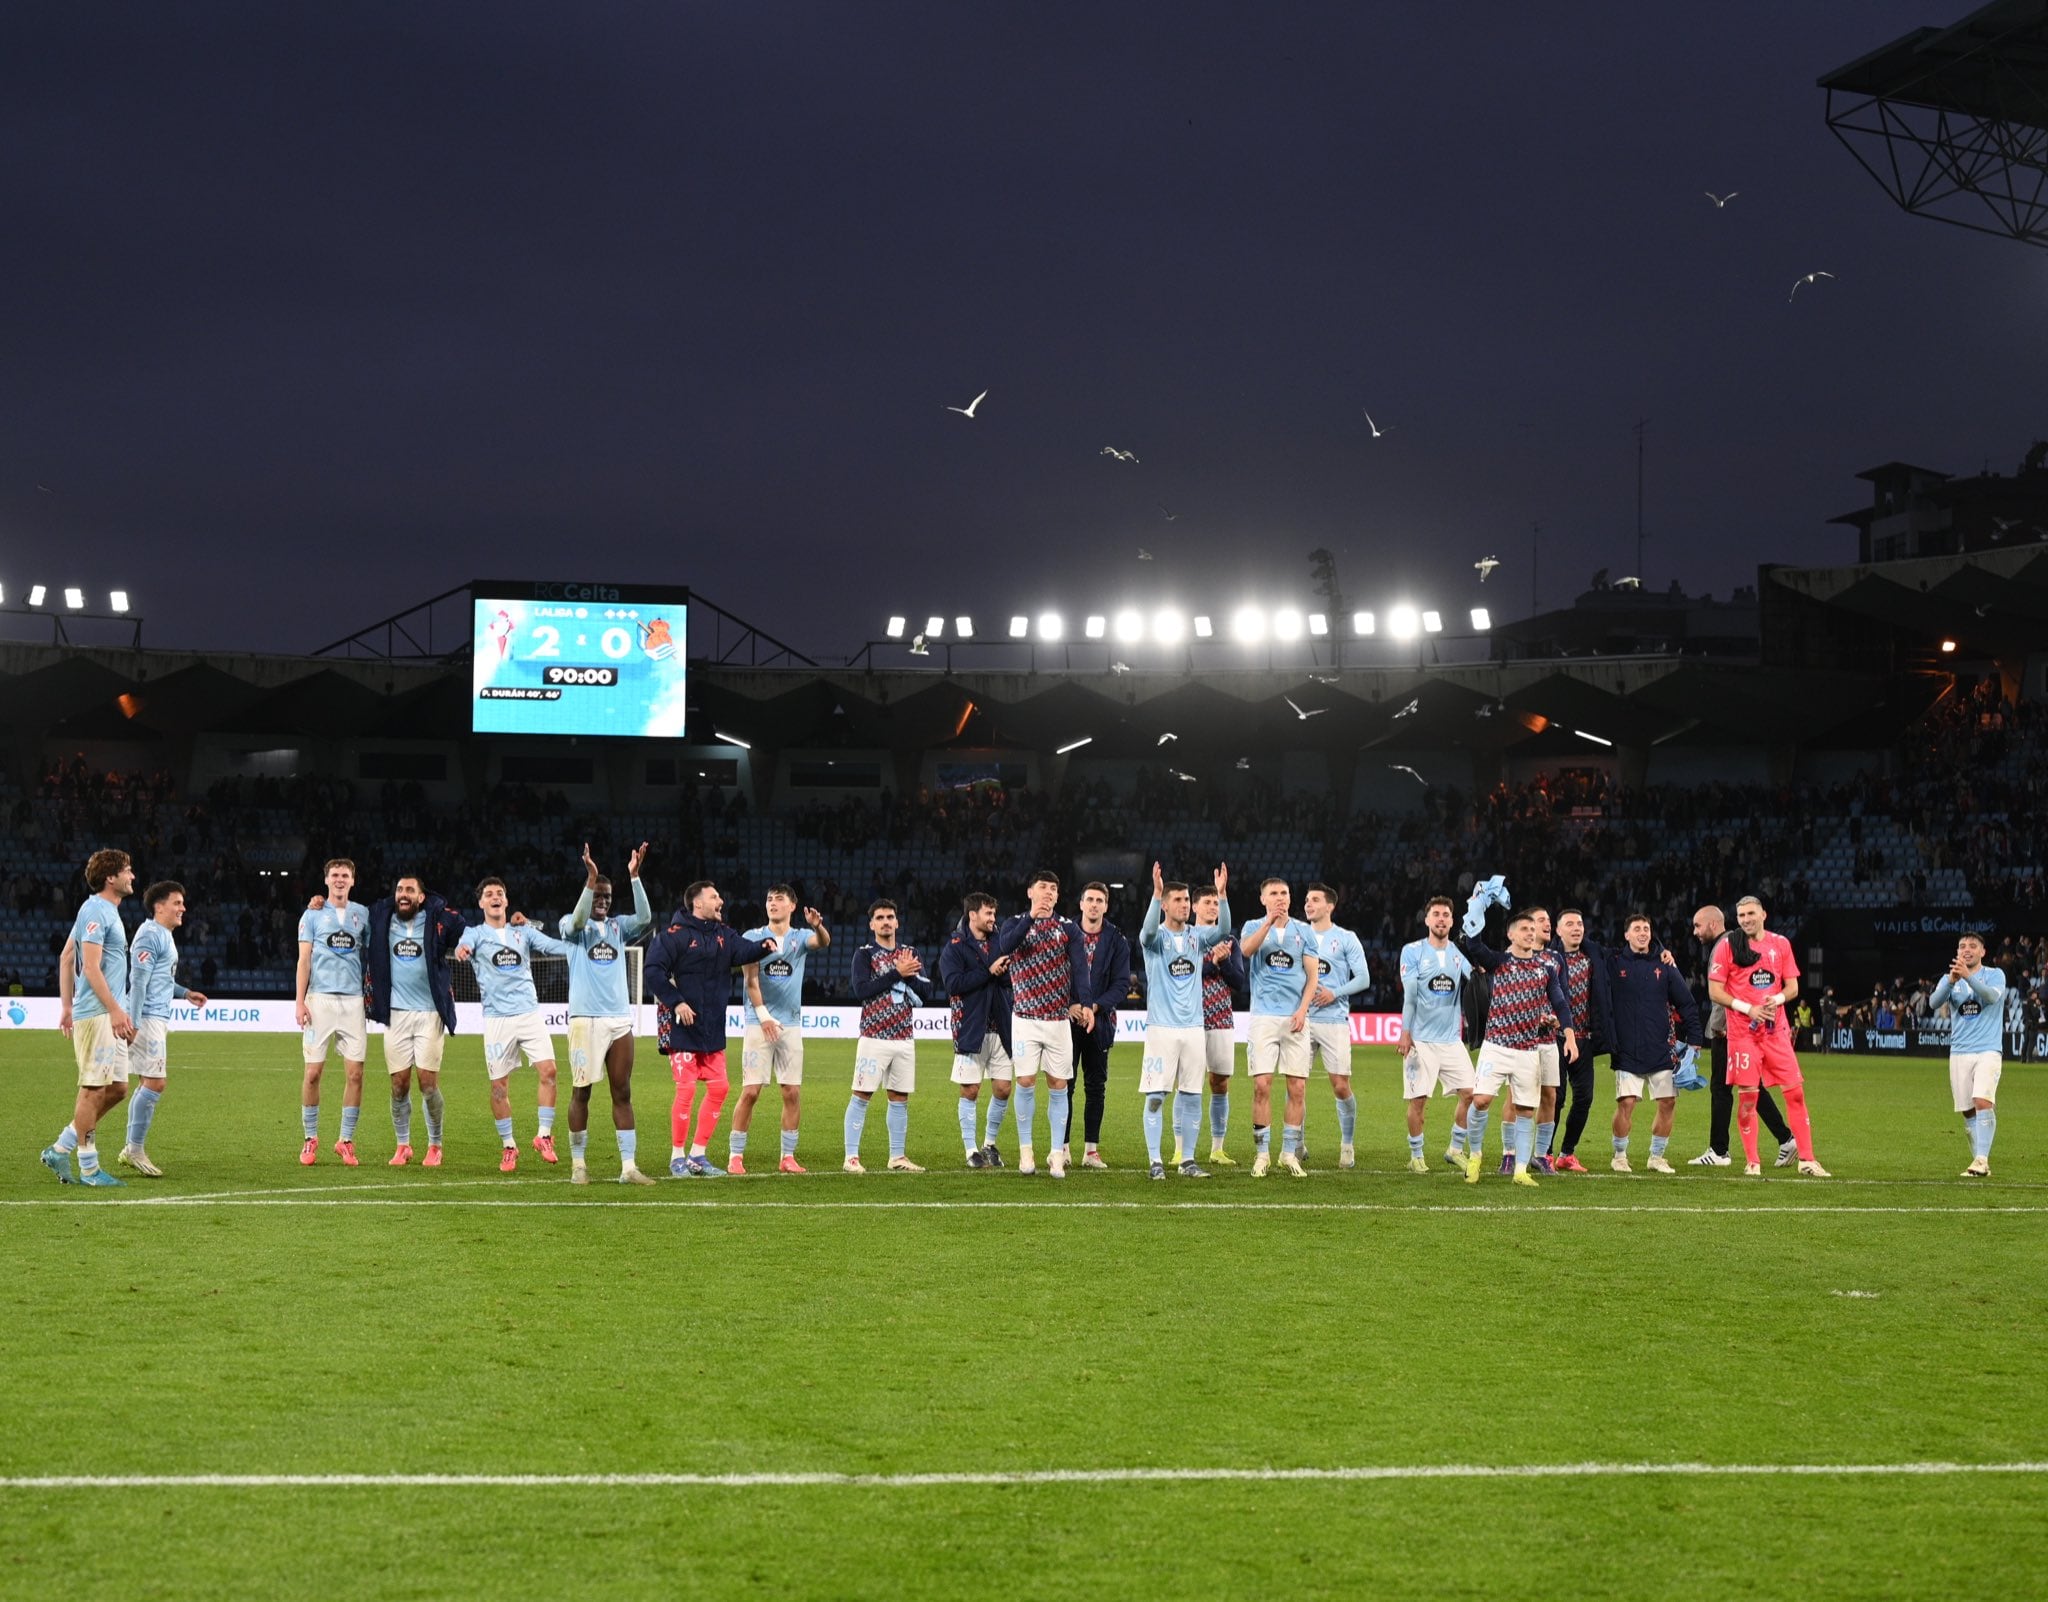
{"x": 567, "y": 658}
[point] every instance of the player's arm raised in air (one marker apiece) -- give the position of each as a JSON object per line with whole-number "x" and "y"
{"x": 821, "y": 937}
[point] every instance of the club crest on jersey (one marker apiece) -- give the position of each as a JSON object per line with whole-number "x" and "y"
{"x": 408, "y": 950}
{"x": 1180, "y": 968}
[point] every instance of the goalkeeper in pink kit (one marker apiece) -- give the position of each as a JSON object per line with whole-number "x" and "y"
{"x": 1753, "y": 973}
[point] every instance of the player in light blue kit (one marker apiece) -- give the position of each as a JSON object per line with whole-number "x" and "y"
{"x": 773, "y": 1047}
{"x": 1434, "y": 974}
{"x": 153, "y": 982}
{"x": 1975, "y": 998}
{"x": 601, "y": 1013}
{"x": 95, "y": 1016}
{"x": 330, "y": 1007}
{"x": 1176, "y": 1041}
{"x": 1278, "y": 951}
{"x": 1340, "y": 974}
{"x": 501, "y": 954}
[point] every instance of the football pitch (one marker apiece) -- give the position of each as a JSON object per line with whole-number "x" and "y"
{"x": 249, "y": 1379}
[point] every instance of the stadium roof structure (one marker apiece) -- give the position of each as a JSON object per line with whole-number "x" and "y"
{"x": 1953, "y": 122}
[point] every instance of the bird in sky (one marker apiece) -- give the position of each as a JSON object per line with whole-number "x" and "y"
{"x": 1300, "y": 713}
{"x": 1244, "y": 764}
{"x": 1168, "y": 735}
{"x": 1143, "y": 554}
{"x": 1377, "y": 431}
{"x": 1402, "y": 767}
{"x": 1410, "y": 709}
{"x": 1484, "y": 567}
{"x": 968, "y": 409}
{"x": 1485, "y": 711}
{"x": 1722, "y": 200}
{"x": 1809, "y": 278}
{"x": 1119, "y": 667}
{"x": 1176, "y": 772}
{"x": 2002, "y": 524}
{"x": 1122, "y": 456}
{"x": 1629, "y": 583}
{"x": 1163, "y": 512}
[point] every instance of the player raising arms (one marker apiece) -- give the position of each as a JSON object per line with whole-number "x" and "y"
{"x": 1975, "y": 998}
{"x": 977, "y": 982}
{"x": 601, "y": 1013}
{"x": 1433, "y": 975}
{"x": 153, "y": 974}
{"x": 501, "y": 953}
{"x": 1222, "y": 973}
{"x": 330, "y": 1007}
{"x": 1753, "y": 973}
{"x": 97, "y": 1021}
{"x": 888, "y": 982}
{"x": 689, "y": 969}
{"x": 773, "y": 1047}
{"x": 1040, "y": 943}
{"x": 1340, "y": 975}
{"x": 1281, "y": 956}
{"x": 1525, "y": 1006}
{"x": 1176, "y": 1052}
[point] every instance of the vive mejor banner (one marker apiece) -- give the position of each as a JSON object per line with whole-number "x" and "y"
{"x": 820, "y": 1023}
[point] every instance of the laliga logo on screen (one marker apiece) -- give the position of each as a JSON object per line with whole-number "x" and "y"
{"x": 657, "y": 640}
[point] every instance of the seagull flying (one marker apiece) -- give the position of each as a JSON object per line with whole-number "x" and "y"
{"x": 1143, "y": 554}
{"x": 1298, "y": 712}
{"x": 1484, "y": 567}
{"x": 1629, "y": 583}
{"x": 1163, "y": 512}
{"x": 1244, "y": 764}
{"x": 1809, "y": 278}
{"x": 918, "y": 647}
{"x": 1410, "y": 709}
{"x": 1377, "y": 431}
{"x": 1176, "y": 772}
{"x": 1122, "y": 456}
{"x": 1119, "y": 667}
{"x": 2002, "y": 524}
{"x": 1485, "y": 711}
{"x": 1722, "y": 200}
{"x": 1168, "y": 735}
{"x": 1402, "y": 767}
{"x": 968, "y": 409}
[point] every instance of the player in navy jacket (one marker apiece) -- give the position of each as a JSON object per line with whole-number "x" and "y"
{"x": 976, "y": 982}
{"x": 1102, "y": 978}
{"x": 1644, "y": 987}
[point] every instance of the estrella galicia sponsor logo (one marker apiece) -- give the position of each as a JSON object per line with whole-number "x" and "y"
{"x": 604, "y": 953}
{"x": 504, "y": 957}
{"x": 779, "y": 968}
{"x": 1282, "y": 960}
{"x": 408, "y": 950}
{"x": 1761, "y": 979}
{"x": 1441, "y": 984}
{"x": 340, "y": 940}
{"x": 1180, "y": 968}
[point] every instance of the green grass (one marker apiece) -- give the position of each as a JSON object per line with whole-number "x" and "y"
{"x": 332, "y": 1321}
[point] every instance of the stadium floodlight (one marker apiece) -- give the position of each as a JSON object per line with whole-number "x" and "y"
{"x": 1051, "y": 625}
{"x": 1130, "y": 626}
{"x": 1318, "y": 624}
{"x": 119, "y": 600}
{"x": 1169, "y": 627}
{"x": 1432, "y": 622}
{"x": 1248, "y": 624}
{"x": 1597, "y": 739}
{"x": 1096, "y": 626}
{"x": 3, "y": 594}
{"x": 1287, "y": 624}
{"x": 74, "y": 597}
{"x": 1204, "y": 629}
{"x": 933, "y": 627}
{"x": 895, "y": 628}
{"x": 1075, "y": 745}
{"x": 1019, "y": 627}
{"x": 36, "y": 592}
{"x": 964, "y": 627}
{"x": 1402, "y": 622}
{"x": 731, "y": 739}
{"x": 1948, "y": 647}
{"x": 1362, "y": 623}
{"x": 1482, "y": 620}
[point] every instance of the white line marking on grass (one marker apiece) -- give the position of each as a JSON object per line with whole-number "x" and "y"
{"x": 892, "y": 1482}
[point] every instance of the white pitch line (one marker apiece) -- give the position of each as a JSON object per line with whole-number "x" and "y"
{"x": 1101, "y": 1476}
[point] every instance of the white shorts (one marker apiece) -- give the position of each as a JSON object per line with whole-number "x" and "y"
{"x": 589, "y": 1040}
{"x": 991, "y": 1061}
{"x": 1442, "y": 1063}
{"x": 414, "y": 1040}
{"x": 1549, "y": 1073}
{"x": 102, "y": 1059}
{"x": 1275, "y": 1047}
{"x": 782, "y": 1061}
{"x": 339, "y": 1020}
{"x": 149, "y": 1052}
{"x": 1507, "y": 1067}
{"x": 506, "y": 1040}
{"x": 1973, "y": 1076}
{"x": 884, "y": 1065}
{"x": 1042, "y": 1044}
{"x": 1330, "y": 1041}
{"x": 1220, "y": 1050}
{"x": 1175, "y": 1059}
{"x": 1660, "y": 1086}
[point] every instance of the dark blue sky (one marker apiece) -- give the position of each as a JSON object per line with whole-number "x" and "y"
{"x": 312, "y": 312}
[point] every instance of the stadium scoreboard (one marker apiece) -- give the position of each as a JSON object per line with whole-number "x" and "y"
{"x": 554, "y": 657}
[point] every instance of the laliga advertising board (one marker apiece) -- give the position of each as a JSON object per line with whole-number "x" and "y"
{"x": 556, "y": 657}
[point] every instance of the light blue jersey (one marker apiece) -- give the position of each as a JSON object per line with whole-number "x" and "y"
{"x": 1432, "y": 979}
{"x": 411, "y": 988}
{"x": 99, "y": 923}
{"x": 336, "y": 935}
{"x": 153, "y": 971}
{"x": 1342, "y": 961}
{"x": 1173, "y": 966}
{"x": 503, "y": 960}
{"x": 597, "y": 957}
{"x": 1976, "y": 1009}
{"x": 1276, "y": 967}
{"x": 782, "y": 977}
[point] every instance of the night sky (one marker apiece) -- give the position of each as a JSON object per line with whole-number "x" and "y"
{"x": 314, "y": 311}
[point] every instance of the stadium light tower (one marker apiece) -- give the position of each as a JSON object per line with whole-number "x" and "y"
{"x": 1051, "y": 626}
{"x": 895, "y": 628}
{"x": 1020, "y": 627}
{"x": 1248, "y": 625}
{"x": 1130, "y": 626}
{"x": 74, "y": 598}
{"x": 36, "y": 592}
{"x": 119, "y": 600}
{"x": 1403, "y": 622}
